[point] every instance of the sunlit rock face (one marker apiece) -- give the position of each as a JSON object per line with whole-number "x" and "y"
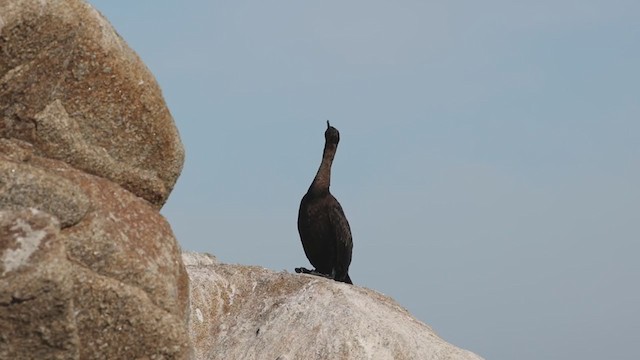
{"x": 89, "y": 153}
{"x": 248, "y": 312}
{"x": 71, "y": 87}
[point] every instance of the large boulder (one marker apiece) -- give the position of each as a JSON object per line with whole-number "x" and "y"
{"x": 70, "y": 86}
{"x": 247, "y": 312}
{"x": 89, "y": 269}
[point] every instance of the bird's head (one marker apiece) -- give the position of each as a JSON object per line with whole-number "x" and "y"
{"x": 331, "y": 135}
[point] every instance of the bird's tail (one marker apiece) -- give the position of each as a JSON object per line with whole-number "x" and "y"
{"x": 347, "y": 280}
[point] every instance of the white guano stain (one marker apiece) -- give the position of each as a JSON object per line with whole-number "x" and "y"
{"x": 27, "y": 245}
{"x": 199, "y": 316}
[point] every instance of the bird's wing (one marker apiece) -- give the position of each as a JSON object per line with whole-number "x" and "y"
{"x": 344, "y": 242}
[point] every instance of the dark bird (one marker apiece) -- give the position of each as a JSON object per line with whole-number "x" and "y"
{"x": 324, "y": 230}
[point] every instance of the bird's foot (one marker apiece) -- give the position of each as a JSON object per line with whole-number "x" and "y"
{"x": 302, "y": 270}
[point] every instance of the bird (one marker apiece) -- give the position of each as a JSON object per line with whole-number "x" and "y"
{"x": 324, "y": 229}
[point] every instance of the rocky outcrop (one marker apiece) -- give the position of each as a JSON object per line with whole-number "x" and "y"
{"x": 71, "y": 87}
{"x": 242, "y": 312}
{"x": 89, "y": 269}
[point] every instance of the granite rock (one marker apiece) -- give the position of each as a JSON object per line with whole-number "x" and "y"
{"x": 248, "y": 312}
{"x": 71, "y": 86}
{"x": 89, "y": 268}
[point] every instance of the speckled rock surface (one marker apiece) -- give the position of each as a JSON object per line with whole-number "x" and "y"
{"x": 116, "y": 267}
{"x": 36, "y": 306}
{"x": 119, "y": 321}
{"x": 109, "y": 285}
{"x": 25, "y": 186}
{"x": 72, "y": 87}
{"x": 244, "y": 312}
{"x": 54, "y": 307}
{"x": 124, "y": 238}
{"x": 89, "y": 153}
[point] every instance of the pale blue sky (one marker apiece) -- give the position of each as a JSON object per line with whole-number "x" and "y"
{"x": 489, "y": 161}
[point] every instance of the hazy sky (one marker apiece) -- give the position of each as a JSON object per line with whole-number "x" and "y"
{"x": 489, "y": 161}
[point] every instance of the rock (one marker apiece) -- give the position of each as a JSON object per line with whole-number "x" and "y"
{"x": 89, "y": 269}
{"x": 111, "y": 285}
{"x": 16, "y": 150}
{"x": 243, "y": 312}
{"x": 118, "y": 321}
{"x": 123, "y": 238}
{"x": 25, "y": 186}
{"x": 116, "y": 268}
{"x": 71, "y": 87}
{"x": 36, "y": 299}
{"x": 52, "y": 307}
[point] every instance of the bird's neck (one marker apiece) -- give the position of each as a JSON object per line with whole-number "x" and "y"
{"x": 322, "y": 181}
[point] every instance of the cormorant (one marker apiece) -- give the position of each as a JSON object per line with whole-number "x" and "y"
{"x": 324, "y": 230}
